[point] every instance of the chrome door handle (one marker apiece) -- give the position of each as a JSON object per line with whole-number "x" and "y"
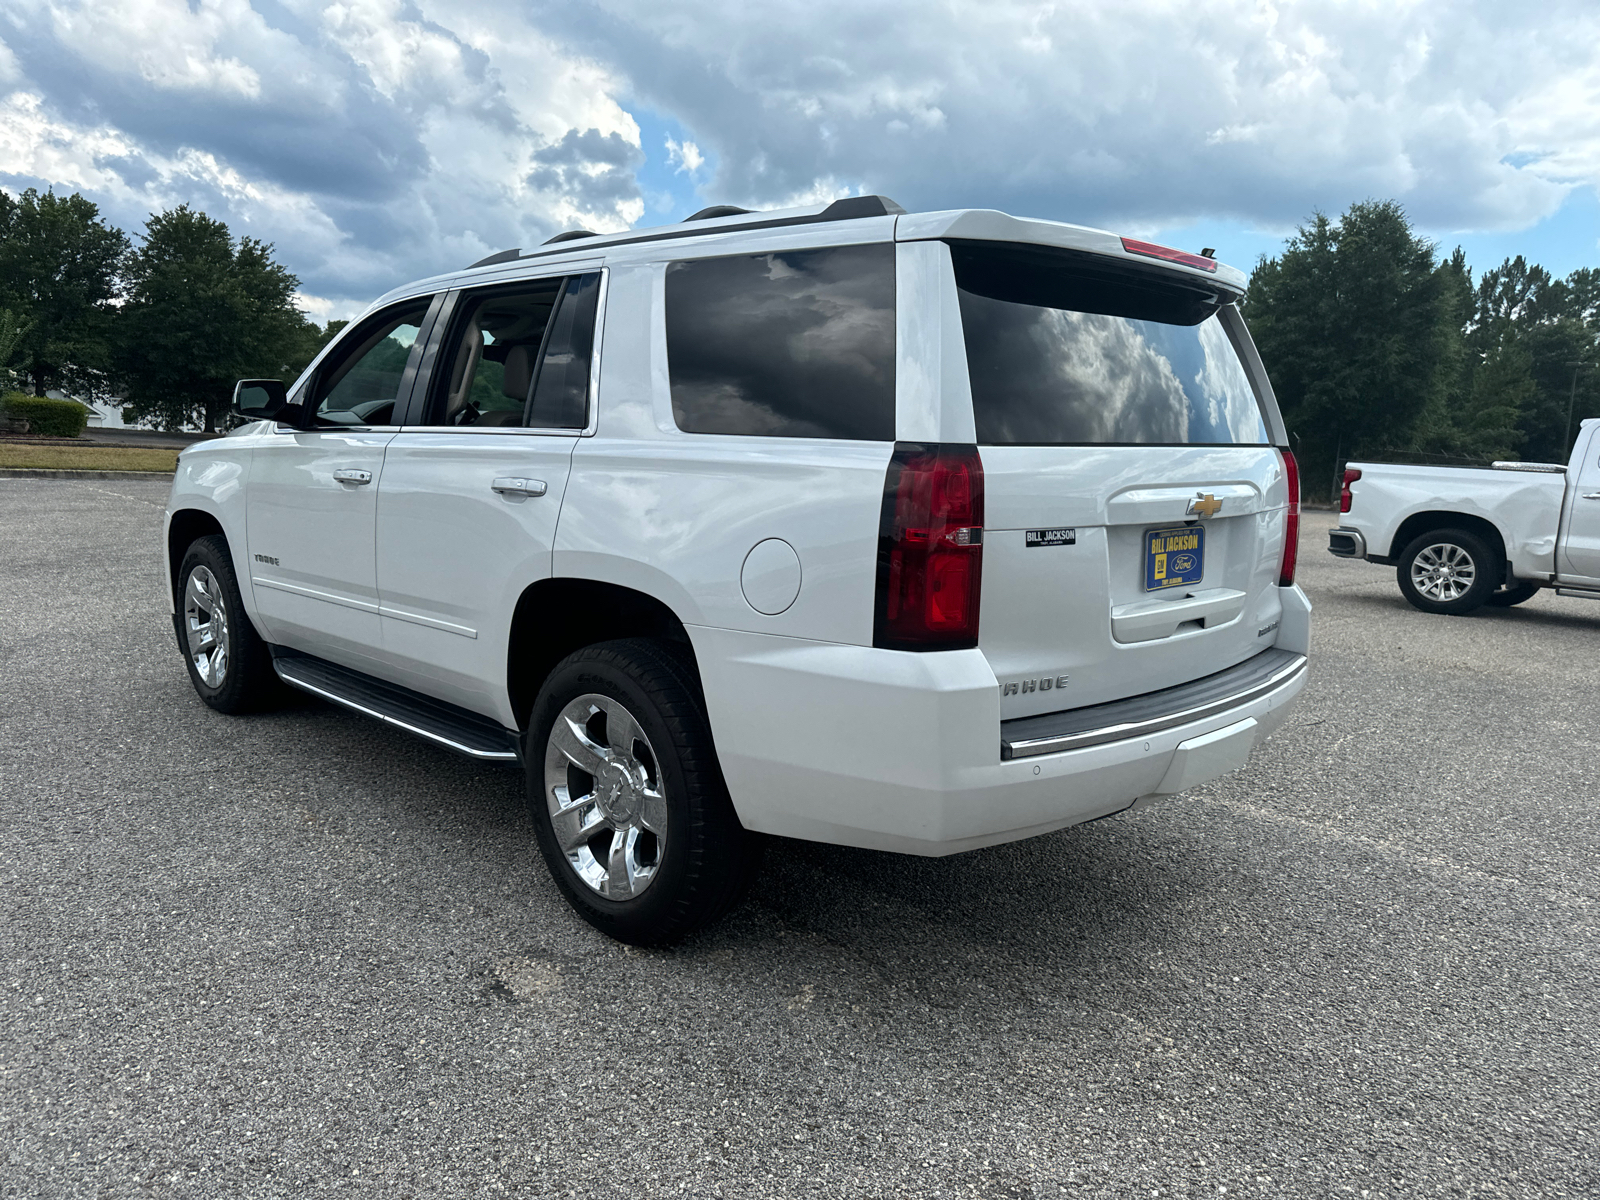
{"x": 348, "y": 475}
{"x": 518, "y": 487}
{"x": 1591, "y": 495}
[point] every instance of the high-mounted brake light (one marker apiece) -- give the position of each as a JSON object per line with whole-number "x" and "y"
{"x": 930, "y": 549}
{"x": 1351, "y": 474}
{"x": 1151, "y": 250}
{"x": 1291, "y": 523}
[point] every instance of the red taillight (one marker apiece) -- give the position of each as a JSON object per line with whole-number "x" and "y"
{"x": 1151, "y": 250}
{"x": 930, "y": 549}
{"x": 1291, "y": 523}
{"x": 1351, "y": 474}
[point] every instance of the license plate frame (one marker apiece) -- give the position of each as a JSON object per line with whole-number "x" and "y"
{"x": 1174, "y": 557}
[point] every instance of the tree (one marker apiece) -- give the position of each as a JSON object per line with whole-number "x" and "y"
{"x": 1512, "y": 295}
{"x": 1489, "y": 418}
{"x": 1355, "y": 322}
{"x": 1580, "y": 293}
{"x": 1551, "y": 326}
{"x": 309, "y": 342}
{"x": 59, "y": 265}
{"x": 12, "y": 330}
{"x": 202, "y": 312}
{"x": 1553, "y": 347}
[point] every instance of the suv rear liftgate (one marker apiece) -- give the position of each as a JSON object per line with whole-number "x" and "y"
{"x": 1139, "y": 512}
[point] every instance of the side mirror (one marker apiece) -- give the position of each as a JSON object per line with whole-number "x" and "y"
{"x": 262, "y": 400}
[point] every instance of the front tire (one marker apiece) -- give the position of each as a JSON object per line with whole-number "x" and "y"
{"x": 627, "y": 798}
{"x": 229, "y": 665}
{"x": 1448, "y": 571}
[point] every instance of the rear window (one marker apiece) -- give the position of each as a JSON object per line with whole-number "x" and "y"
{"x": 793, "y": 344}
{"x": 1066, "y": 348}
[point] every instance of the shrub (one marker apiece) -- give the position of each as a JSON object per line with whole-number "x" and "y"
{"x": 56, "y": 418}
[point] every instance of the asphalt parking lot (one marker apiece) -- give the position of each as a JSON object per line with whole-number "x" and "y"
{"x": 303, "y": 955}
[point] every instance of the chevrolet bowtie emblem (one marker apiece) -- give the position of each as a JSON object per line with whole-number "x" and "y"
{"x": 1204, "y": 504}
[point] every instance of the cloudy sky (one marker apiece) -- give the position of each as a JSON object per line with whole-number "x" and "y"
{"x": 375, "y": 141}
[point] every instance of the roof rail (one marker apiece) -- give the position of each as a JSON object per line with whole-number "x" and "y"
{"x": 851, "y": 208}
{"x": 717, "y": 210}
{"x": 499, "y": 257}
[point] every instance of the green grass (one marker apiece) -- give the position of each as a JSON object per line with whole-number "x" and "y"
{"x": 89, "y": 458}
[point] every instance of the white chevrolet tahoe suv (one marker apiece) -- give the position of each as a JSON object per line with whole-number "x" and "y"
{"x": 918, "y": 532}
{"x": 1463, "y": 537}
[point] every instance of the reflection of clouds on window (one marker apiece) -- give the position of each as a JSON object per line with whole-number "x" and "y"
{"x": 1131, "y": 391}
{"x": 1057, "y": 376}
{"x": 720, "y": 407}
{"x": 792, "y": 344}
{"x": 1222, "y": 388}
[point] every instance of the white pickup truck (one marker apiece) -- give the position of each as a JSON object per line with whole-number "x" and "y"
{"x": 1461, "y": 538}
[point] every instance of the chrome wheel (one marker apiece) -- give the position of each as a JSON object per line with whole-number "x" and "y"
{"x": 205, "y": 621}
{"x": 602, "y": 783}
{"x": 1443, "y": 572}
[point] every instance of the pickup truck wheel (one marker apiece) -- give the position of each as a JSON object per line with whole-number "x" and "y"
{"x": 1448, "y": 571}
{"x": 229, "y": 664}
{"x": 627, "y": 798}
{"x": 1515, "y": 594}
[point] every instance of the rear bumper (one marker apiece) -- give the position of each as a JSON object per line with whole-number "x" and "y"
{"x": 901, "y": 752}
{"x": 1153, "y": 712}
{"x": 1346, "y": 543}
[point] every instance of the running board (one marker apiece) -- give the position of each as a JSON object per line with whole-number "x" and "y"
{"x": 445, "y": 724}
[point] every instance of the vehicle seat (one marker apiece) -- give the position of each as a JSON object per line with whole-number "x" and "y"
{"x": 518, "y": 378}
{"x": 461, "y": 378}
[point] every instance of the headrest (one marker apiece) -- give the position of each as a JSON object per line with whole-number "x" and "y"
{"x": 519, "y": 372}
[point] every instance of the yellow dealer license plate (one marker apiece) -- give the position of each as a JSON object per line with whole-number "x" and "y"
{"x": 1174, "y": 557}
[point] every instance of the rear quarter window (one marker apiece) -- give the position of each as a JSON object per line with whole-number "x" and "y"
{"x": 1073, "y": 349}
{"x": 791, "y": 344}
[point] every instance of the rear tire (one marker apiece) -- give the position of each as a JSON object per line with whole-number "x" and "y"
{"x": 627, "y": 798}
{"x": 229, "y": 664}
{"x": 1515, "y": 594}
{"x": 1448, "y": 571}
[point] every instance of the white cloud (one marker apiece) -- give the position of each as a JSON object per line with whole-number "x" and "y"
{"x": 378, "y": 140}
{"x": 1148, "y": 111}
{"x": 684, "y": 155}
{"x": 35, "y": 145}
{"x": 371, "y": 141}
{"x": 168, "y": 44}
{"x": 320, "y": 309}
{"x": 10, "y": 69}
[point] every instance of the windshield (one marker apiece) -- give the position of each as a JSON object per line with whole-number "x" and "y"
{"x": 1062, "y": 351}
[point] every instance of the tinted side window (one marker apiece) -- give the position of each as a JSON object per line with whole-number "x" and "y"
{"x": 794, "y": 344}
{"x": 358, "y": 383}
{"x": 487, "y": 364}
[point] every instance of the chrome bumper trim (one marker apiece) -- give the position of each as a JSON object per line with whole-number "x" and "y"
{"x": 1292, "y": 668}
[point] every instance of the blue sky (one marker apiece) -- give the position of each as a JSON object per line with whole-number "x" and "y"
{"x": 376, "y": 141}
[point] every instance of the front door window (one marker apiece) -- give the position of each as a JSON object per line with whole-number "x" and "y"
{"x": 360, "y": 382}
